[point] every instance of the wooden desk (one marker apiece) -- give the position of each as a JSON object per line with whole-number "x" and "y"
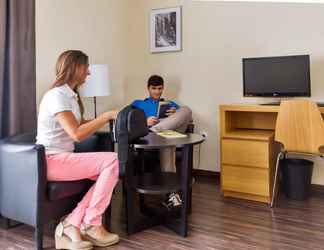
{"x": 248, "y": 150}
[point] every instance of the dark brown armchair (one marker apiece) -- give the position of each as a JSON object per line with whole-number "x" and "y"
{"x": 25, "y": 194}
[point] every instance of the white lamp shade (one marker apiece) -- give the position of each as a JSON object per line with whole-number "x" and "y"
{"x": 97, "y": 83}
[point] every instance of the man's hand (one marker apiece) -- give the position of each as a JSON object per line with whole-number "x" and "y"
{"x": 171, "y": 111}
{"x": 152, "y": 120}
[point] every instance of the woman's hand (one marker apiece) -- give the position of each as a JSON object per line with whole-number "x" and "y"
{"x": 111, "y": 115}
{"x": 79, "y": 132}
{"x": 152, "y": 120}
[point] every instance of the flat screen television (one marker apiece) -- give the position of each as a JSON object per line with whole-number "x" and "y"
{"x": 277, "y": 76}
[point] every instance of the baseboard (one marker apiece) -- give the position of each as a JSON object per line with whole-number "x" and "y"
{"x": 317, "y": 189}
{"x": 206, "y": 175}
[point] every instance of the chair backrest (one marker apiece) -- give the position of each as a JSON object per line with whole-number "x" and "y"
{"x": 130, "y": 125}
{"x": 299, "y": 126}
{"x": 29, "y": 137}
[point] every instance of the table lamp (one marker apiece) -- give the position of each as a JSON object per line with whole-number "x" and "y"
{"x": 97, "y": 83}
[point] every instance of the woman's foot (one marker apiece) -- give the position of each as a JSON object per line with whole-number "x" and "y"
{"x": 99, "y": 236}
{"x": 68, "y": 237}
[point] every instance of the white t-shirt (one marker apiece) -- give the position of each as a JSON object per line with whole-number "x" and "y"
{"x": 49, "y": 131}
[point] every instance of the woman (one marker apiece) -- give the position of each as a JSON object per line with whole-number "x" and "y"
{"x": 60, "y": 124}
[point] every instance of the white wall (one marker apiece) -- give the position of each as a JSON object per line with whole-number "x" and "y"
{"x": 97, "y": 27}
{"x": 216, "y": 35}
{"x": 208, "y": 72}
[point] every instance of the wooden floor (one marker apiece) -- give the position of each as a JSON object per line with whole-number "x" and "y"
{"x": 218, "y": 223}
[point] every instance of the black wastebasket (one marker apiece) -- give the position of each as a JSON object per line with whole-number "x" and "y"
{"x": 297, "y": 177}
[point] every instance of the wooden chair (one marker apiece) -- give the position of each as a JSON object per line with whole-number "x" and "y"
{"x": 300, "y": 130}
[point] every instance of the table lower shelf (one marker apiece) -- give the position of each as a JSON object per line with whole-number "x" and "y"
{"x": 162, "y": 183}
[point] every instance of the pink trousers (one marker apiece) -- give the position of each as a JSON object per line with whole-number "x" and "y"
{"x": 103, "y": 167}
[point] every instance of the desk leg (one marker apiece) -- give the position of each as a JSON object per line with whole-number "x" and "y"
{"x": 180, "y": 225}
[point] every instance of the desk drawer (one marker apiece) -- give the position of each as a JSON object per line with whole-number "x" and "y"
{"x": 245, "y": 180}
{"x": 245, "y": 152}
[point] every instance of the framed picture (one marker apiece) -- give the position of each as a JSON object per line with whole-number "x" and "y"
{"x": 165, "y": 31}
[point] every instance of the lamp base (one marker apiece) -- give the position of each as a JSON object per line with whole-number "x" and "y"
{"x": 95, "y": 106}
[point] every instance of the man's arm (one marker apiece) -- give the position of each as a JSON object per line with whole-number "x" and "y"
{"x": 178, "y": 121}
{"x": 173, "y": 108}
{"x": 174, "y": 105}
{"x": 151, "y": 120}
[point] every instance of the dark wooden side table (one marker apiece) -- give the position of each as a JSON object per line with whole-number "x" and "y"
{"x": 162, "y": 183}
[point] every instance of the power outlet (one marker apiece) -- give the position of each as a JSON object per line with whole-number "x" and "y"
{"x": 204, "y": 134}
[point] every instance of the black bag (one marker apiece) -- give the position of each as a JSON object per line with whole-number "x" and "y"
{"x": 130, "y": 125}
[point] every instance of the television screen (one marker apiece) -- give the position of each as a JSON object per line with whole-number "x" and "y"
{"x": 276, "y": 76}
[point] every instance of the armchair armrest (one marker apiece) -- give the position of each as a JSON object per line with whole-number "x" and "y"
{"x": 22, "y": 179}
{"x": 100, "y": 141}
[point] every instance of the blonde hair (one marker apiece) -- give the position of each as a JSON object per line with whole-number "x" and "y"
{"x": 66, "y": 70}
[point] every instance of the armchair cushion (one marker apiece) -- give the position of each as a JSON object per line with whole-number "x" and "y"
{"x": 100, "y": 141}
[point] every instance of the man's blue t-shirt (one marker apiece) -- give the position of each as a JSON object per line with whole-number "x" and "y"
{"x": 150, "y": 106}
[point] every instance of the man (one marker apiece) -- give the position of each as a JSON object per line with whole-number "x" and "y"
{"x": 177, "y": 118}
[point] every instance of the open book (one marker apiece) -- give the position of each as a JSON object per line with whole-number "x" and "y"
{"x": 164, "y": 106}
{"x": 171, "y": 134}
